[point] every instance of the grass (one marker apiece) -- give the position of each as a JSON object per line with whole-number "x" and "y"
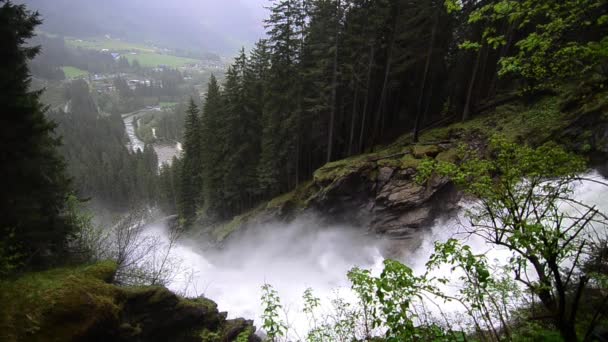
{"x": 167, "y": 105}
{"x": 72, "y": 72}
{"x": 155, "y": 59}
{"x": 516, "y": 122}
{"x": 146, "y": 56}
{"x": 113, "y": 45}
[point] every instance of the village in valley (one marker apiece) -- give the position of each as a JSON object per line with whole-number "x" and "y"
{"x": 147, "y": 85}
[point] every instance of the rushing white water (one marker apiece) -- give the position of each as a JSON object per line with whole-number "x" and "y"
{"x": 293, "y": 257}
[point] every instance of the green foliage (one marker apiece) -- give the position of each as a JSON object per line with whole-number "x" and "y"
{"x": 244, "y": 336}
{"x": 548, "y": 51}
{"x": 520, "y": 195}
{"x": 271, "y": 320}
{"x": 391, "y": 302}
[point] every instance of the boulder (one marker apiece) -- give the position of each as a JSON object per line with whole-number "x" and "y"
{"x": 79, "y": 304}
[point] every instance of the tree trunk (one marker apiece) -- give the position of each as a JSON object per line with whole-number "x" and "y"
{"x": 334, "y": 87}
{"x": 467, "y": 106}
{"x": 366, "y": 102}
{"x": 353, "y": 120}
{"x": 387, "y": 72}
{"x": 424, "y": 77}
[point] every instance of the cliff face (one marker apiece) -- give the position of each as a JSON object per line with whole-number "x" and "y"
{"x": 381, "y": 192}
{"x": 378, "y": 190}
{"x": 81, "y": 305}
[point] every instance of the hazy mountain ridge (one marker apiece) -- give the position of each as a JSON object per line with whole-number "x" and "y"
{"x": 194, "y": 25}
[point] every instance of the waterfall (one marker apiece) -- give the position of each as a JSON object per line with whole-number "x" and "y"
{"x": 305, "y": 254}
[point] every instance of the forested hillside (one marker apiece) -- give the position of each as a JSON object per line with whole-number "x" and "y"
{"x": 336, "y": 78}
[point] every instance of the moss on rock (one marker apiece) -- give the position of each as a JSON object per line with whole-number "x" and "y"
{"x": 421, "y": 151}
{"x": 78, "y": 304}
{"x": 448, "y": 156}
{"x": 409, "y": 162}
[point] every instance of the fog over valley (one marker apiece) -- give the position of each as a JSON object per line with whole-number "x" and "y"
{"x": 207, "y": 25}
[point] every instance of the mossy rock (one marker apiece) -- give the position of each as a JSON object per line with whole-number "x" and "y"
{"x": 59, "y": 305}
{"x": 421, "y": 151}
{"x": 341, "y": 168}
{"x": 78, "y": 304}
{"x": 449, "y": 156}
{"x": 221, "y": 232}
{"x": 409, "y": 162}
{"x": 392, "y": 163}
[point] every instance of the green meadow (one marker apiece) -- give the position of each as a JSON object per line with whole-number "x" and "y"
{"x": 156, "y": 59}
{"x": 72, "y": 72}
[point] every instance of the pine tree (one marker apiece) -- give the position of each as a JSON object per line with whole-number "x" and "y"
{"x": 35, "y": 184}
{"x": 277, "y": 169}
{"x": 242, "y": 137}
{"x": 212, "y": 151}
{"x": 190, "y": 173}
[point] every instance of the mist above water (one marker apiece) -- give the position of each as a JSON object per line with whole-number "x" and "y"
{"x": 291, "y": 257}
{"x": 306, "y": 254}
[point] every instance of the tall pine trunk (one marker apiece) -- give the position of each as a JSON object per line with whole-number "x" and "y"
{"x": 353, "y": 120}
{"x": 387, "y": 73}
{"x": 427, "y": 66}
{"x": 366, "y": 102}
{"x": 466, "y": 113}
{"x": 334, "y": 87}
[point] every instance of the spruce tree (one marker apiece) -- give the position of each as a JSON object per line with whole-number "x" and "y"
{"x": 35, "y": 186}
{"x": 191, "y": 186}
{"x": 278, "y": 165}
{"x": 212, "y": 151}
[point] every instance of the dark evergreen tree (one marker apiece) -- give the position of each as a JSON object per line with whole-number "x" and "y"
{"x": 190, "y": 173}
{"x": 212, "y": 152}
{"x": 278, "y": 166}
{"x": 35, "y": 184}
